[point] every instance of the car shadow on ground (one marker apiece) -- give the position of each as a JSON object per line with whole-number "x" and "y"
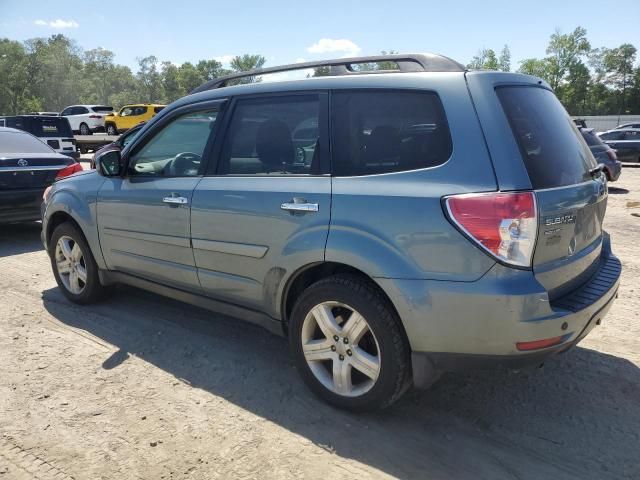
{"x": 618, "y": 190}
{"x": 18, "y": 238}
{"x": 579, "y": 413}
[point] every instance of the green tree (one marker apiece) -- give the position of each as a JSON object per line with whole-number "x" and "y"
{"x": 245, "y": 63}
{"x": 565, "y": 52}
{"x": 485, "y": 59}
{"x": 504, "y": 61}
{"x": 14, "y": 72}
{"x": 150, "y": 80}
{"x": 170, "y": 75}
{"x": 618, "y": 64}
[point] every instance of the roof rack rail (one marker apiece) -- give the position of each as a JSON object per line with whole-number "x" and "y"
{"x": 406, "y": 62}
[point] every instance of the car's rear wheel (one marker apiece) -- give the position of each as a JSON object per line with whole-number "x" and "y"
{"x": 84, "y": 129}
{"x": 74, "y": 267}
{"x": 348, "y": 344}
{"x": 111, "y": 129}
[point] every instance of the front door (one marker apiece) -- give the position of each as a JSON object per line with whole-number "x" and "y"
{"x": 144, "y": 218}
{"x": 264, "y": 212}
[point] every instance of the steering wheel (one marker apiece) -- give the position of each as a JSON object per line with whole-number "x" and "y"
{"x": 185, "y": 163}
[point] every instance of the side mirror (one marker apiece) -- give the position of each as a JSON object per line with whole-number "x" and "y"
{"x": 110, "y": 164}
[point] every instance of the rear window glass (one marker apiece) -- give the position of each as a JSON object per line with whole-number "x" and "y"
{"x": 550, "y": 143}
{"x": 50, "y": 127}
{"x": 102, "y": 109}
{"x": 387, "y": 131}
{"x": 16, "y": 142}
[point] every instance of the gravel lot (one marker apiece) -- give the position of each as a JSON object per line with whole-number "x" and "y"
{"x": 144, "y": 387}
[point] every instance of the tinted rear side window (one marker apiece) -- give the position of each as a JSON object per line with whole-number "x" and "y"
{"x": 551, "y": 147}
{"x": 387, "y": 131}
{"x": 102, "y": 109}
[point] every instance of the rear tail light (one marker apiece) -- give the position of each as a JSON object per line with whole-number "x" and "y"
{"x": 503, "y": 224}
{"x": 95, "y": 116}
{"x": 612, "y": 154}
{"x": 70, "y": 170}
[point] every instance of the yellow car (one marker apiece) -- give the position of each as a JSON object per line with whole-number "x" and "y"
{"x": 129, "y": 116}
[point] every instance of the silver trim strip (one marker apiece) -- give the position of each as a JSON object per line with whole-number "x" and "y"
{"x": 242, "y": 249}
{"x": 148, "y": 237}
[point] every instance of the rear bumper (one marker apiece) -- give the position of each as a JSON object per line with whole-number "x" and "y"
{"x": 20, "y": 205}
{"x": 460, "y": 325}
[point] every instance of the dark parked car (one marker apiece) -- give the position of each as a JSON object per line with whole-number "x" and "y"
{"x": 27, "y": 168}
{"x": 53, "y": 130}
{"x": 626, "y": 142}
{"x": 628, "y": 125}
{"x": 119, "y": 144}
{"x": 603, "y": 153}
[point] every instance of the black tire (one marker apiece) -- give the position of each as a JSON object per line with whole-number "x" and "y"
{"x": 111, "y": 129}
{"x": 395, "y": 364}
{"x": 85, "y": 130}
{"x": 93, "y": 291}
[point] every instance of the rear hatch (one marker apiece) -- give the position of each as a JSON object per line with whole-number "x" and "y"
{"x": 571, "y": 198}
{"x": 54, "y": 131}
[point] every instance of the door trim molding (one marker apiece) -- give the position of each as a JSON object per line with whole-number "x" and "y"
{"x": 147, "y": 237}
{"x": 242, "y": 249}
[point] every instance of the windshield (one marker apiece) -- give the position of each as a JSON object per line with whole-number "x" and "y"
{"x": 17, "y": 142}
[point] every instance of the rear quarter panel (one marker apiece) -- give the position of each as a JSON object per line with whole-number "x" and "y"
{"x": 393, "y": 225}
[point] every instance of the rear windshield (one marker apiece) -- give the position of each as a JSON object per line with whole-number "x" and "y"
{"x": 16, "y": 142}
{"x": 553, "y": 152}
{"x": 102, "y": 109}
{"x": 50, "y": 127}
{"x": 591, "y": 138}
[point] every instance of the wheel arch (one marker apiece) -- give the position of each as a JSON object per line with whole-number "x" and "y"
{"x": 309, "y": 274}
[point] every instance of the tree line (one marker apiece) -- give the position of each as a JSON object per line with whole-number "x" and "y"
{"x": 48, "y": 74}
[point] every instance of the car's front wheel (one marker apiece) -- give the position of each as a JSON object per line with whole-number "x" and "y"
{"x": 74, "y": 267}
{"x": 348, "y": 344}
{"x": 111, "y": 129}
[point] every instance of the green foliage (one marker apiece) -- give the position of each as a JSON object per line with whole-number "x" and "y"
{"x": 51, "y": 73}
{"x": 600, "y": 81}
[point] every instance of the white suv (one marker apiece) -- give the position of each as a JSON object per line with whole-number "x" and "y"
{"x": 86, "y": 119}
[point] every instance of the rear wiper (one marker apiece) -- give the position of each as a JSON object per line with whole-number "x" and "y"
{"x": 597, "y": 170}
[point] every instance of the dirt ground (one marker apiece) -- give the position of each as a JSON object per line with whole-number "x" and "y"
{"x": 142, "y": 387}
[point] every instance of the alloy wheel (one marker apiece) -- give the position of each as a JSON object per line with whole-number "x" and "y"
{"x": 340, "y": 349}
{"x": 71, "y": 265}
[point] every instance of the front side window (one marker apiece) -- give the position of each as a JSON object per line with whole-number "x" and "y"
{"x": 273, "y": 136}
{"x": 177, "y": 149}
{"x": 377, "y": 132}
{"x": 126, "y": 112}
{"x": 67, "y": 111}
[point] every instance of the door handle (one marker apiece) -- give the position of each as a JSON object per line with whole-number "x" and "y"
{"x": 300, "y": 207}
{"x": 175, "y": 199}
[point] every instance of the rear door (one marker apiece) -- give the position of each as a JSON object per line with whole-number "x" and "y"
{"x": 264, "y": 212}
{"x": 546, "y": 146}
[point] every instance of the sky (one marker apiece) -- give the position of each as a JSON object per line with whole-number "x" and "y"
{"x": 295, "y": 30}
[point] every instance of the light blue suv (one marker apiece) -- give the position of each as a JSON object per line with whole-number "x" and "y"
{"x": 393, "y": 224}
